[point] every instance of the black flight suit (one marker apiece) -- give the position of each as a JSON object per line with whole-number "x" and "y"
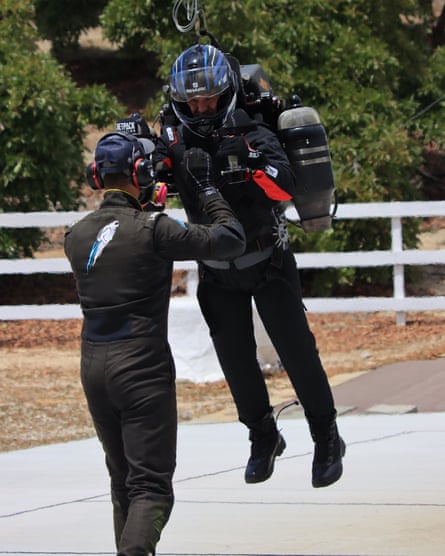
{"x": 122, "y": 260}
{"x": 266, "y": 273}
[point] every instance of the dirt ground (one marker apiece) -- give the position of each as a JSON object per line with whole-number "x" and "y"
{"x": 41, "y": 400}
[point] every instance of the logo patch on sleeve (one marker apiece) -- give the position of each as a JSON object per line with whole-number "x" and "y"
{"x": 271, "y": 171}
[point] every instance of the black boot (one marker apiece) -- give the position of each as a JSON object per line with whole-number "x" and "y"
{"x": 327, "y": 466}
{"x": 267, "y": 444}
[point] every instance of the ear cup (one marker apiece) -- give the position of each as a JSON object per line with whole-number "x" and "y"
{"x": 142, "y": 172}
{"x": 93, "y": 178}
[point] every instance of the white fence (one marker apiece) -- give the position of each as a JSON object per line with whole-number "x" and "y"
{"x": 396, "y": 257}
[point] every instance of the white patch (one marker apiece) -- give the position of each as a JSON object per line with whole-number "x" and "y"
{"x": 170, "y": 134}
{"x": 126, "y": 127}
{"x": 271, "y": 171}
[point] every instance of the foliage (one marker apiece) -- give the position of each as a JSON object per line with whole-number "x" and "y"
{"x": 42, "y": 120}
{"x": 367, "y": 67}
{"x": 432, "y": 91}
{"x": 64, "y": 32}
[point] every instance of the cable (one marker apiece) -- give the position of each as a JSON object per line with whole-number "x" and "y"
{"x": 192, "y": 9}
{"x": 423, "y": 111}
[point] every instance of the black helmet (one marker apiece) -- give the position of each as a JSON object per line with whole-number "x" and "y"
{"x": 202, "y": 71}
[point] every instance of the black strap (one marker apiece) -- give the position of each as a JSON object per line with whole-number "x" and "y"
{"x": 260, "y": 243}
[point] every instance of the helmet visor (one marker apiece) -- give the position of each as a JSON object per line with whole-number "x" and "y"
{"x": 198, "y": 82}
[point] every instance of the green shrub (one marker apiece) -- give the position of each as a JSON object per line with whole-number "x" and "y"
{"x": 42, "y": 119}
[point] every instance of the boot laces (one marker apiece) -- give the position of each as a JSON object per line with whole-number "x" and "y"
{"x": 327, "y": 446}
{"x": 264, "y": 441}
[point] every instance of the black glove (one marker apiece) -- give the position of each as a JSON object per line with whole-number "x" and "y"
{"x": 161, "y": 171}
{"x": 199, "y": 171}
{"x": 234, "y": 152}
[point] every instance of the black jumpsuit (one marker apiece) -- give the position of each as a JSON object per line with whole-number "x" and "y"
{"x": 122, "y": 261}
{"x": 266, "y": 273}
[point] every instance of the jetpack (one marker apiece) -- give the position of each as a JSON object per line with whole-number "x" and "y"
{"x": 304, "y": 139}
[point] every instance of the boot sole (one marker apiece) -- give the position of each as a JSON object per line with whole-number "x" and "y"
{"x": 279, "y": 449}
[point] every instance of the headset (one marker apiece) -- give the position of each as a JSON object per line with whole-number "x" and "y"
{"x": 141, "y": 168}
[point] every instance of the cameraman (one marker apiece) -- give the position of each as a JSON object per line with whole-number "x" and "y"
{"x": 204, "y": 94}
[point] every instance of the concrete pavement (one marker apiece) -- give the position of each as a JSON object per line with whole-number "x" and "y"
{"x": 389, "y": 502}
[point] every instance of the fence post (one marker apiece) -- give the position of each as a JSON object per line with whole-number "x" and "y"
{"x": 398, "y": 269}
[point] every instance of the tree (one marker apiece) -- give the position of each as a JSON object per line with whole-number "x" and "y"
{"x": 367, "y": 67}
{"x": 375, "y": 71}
{"x": 438, "y": 31}
{"x": 42, "y": 119}
{"x": 64, "y": 32}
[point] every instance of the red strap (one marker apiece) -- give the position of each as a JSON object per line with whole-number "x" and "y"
{"x": 269, "y": 187}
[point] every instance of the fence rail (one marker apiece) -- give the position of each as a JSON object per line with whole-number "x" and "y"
{"x": 396, "y": 257}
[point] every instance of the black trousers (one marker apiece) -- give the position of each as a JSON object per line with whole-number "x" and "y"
{"x": 131, "y": 397}
{"x": 225, "y": 298}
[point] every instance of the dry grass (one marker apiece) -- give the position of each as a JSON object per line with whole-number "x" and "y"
{"x": 41, "y": 399}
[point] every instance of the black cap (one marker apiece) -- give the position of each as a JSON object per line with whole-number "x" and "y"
{"x": 116, "y": 153}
